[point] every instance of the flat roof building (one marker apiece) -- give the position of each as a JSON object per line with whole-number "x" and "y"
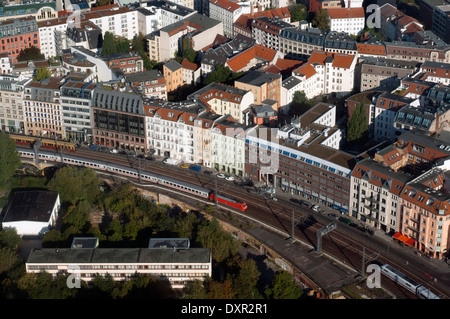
{"x": 32, "y": 213}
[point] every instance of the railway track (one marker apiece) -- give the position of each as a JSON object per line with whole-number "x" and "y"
{"x": 338, "y": 244}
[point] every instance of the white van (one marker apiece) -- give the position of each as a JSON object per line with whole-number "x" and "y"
{"x": 170, "y": 161}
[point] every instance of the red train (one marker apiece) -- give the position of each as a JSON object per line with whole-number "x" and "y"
{"x": 228, "y": 201}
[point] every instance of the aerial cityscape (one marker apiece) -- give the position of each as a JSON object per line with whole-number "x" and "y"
{"x": 225, "y": 150}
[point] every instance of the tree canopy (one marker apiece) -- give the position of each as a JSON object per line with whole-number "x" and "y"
{"x": 298, "y": 12}
{"x": 321, "y": 20}
{"x": 30, "y": 54}
{"x": 42, "y": 73}
{"x": 283, "y": 287}
{"x": 300, "y": 104}
{"x": 9, "y": 158}
{"x": 75, "y": 184}
{"x": 357, "y": 126}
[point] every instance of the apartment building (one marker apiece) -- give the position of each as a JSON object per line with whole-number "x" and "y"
{"x": 429, "y": 113}
{"x": 166, "y": 12}
{"x": 11, "y": 103}
{"x": 435, "y": 72}
{"x": 163, "y": 43}
{"x": 386, "y": 107}
{"x": 18, "y": 34}
{"x": 266, "y": 31}
{"x": 264, "y": 86}
{"x": 220, "y": 54}
{"x": 191, "y": 72}
{"x": 441, "y": 21}
{"x": 227, "y": 12}
{"x": 120, "y": 21}
{"x": 297, "y": 43}
{"x": 384, "y": 74}
{"x": 243, "y": 25}
{"x": 151, "y": 84}
{"x": 254, "y": 57}
{"x": 228, "y": 146}
{"x": 396, "y": 25}
{"x": 348, "y": 20}
{"x": 85, "y": 34}
{"x": 424, "y": 212}
{"x": 173, "y": 75}
{"x": 127, "y": 63}
{"x": 411, "y": 51}
{"x": 375, "y": 194}
{"x": 76, "y": 103}
{"x": 42, "y": 108}
{"x": 118, "y": 117}
{"x": 170, "y": 128}
{"x": 52, "y": 36}
{"x": 326, "y": 73}
{"x": 223, "y": 99}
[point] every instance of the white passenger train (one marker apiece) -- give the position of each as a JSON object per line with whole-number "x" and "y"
{"x": 406, "y": 282}
{"x": 133, "y": 173}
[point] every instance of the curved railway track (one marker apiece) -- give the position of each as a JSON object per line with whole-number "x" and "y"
{"x": 343, "y": 244}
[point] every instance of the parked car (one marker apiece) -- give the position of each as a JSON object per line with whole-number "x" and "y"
{"x": 315, "y": 208}
{"x": 295, "y": 200}
{"x": 207, "y": 172}
{"x": 229, "y": 178}
{"x": 184, "y": 166}
{"x": 170, "y": 161}
{"x": 93, "y": 147}
{"x": 332, "y": 215}
{"x": 220, "y": 175}
{"x": 195, "y": 168}
{"x": 345, "y": 220}
{"x": 305, "y": 203}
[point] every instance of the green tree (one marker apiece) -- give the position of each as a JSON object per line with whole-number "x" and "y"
{"x": 220, "y": 290}
{"x": 30, "y": 54}
{"x": 283, "y": 287}
{"x": 109, "y": 45}
{"x": 298, "y": 12}
{"x": 9, "y": 238}
{"x": 300, "y": 104}
{"x": 223, "y": 245}
{"x": 78, "y": 217}
{"x": 122, "y": 44}
{"x": 244, "y": 276}
{"x": 321, "y": 20}
{"x": 42, "y": 73}
{"x": 221, "y": 74}
{"x": 357, "y": 126}
{"x": 75, "y": 184}
{"x": 9, "y": 158}
{"x": 194, "y": 289}
{"x": 8, "y": 259}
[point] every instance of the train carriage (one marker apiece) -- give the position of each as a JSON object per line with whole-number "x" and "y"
{"x": 134, "y": 173}
{"x": 46, "y": 142}
{"x": 406, "y": 282}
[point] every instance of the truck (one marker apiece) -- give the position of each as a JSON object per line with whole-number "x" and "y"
{"x": 170, "y": 161}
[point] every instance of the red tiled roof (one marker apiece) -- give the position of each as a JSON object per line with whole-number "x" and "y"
{"x": 225, "y": 4}
{"x": 189, "y": 65}
{"x": 239, "y": 61}
{"x": 307, "y": 70}
{"x": 346, "y": 13}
